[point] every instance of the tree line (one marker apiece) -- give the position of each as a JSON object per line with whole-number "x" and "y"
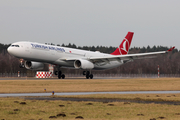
{"x": 169, "y": 63}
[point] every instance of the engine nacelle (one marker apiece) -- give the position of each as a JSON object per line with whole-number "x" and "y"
{"x": 33, "y": 65}
{"x": 83, "y": 64}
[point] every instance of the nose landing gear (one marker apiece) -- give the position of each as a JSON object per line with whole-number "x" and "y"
{"x": 21, "y": 65}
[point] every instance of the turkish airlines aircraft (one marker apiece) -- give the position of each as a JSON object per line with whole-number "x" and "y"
{"x": 36, "y": 54}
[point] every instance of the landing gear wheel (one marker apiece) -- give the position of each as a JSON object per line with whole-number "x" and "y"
{"x": 63, "y": 76}
{"x": 56, "y": 72}
{"x": 84, "y": 72}
{"x": 87, "y": 75}
{"x": 21, "y": 65}
{"x": 59, "y": 75}
{"x": 91, "y": 76}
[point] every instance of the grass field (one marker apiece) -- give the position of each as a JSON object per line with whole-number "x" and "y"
{"x": 83, "y": 85}
{"x": 12, "y": 109}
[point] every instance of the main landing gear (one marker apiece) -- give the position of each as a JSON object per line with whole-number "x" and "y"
{"x": 88, "y": 74}
{"x": 62, "y": 76}
{"x": 59, "y": 74}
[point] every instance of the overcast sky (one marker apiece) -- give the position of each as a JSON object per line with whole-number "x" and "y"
{"x": 91, "y": 22}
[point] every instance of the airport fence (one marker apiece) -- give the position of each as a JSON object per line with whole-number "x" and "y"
{"x": 95, "y": 75}
{"x": 17, "y": 74}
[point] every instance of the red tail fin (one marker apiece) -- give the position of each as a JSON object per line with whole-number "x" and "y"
{"x": 124, "y": 46}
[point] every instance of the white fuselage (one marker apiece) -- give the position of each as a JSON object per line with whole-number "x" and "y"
{"x": 58, "y": 55}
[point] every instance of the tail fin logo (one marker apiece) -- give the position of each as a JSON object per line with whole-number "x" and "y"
{"x": 124, "y": 46}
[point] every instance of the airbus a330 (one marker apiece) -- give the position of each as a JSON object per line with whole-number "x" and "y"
{"x": 36, "y": 54}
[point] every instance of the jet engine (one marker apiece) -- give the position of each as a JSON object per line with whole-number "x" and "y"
{"x": 33, "y": 65}
{"x": 83, "y": 64}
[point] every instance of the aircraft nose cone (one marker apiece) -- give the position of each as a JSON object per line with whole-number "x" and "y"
{"x": 10, "y": 51}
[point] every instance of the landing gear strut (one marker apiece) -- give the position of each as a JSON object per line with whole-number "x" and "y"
{"x": 88, "y": 74}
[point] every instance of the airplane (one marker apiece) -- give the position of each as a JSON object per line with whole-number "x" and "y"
{"x": 36, "y": 54}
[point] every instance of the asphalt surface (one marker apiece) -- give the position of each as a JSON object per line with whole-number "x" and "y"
{"x": 104, "y": 100}
{"x": 49, "y": 96}
{"x": 86, "y": 93}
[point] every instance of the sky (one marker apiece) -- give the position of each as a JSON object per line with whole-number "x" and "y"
{"x": 91, "y": 22}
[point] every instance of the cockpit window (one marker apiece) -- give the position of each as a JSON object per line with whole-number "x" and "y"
{"x": 14, "y": 45}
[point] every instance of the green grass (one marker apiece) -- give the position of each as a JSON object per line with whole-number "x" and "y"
{"x": 35, "y": 109}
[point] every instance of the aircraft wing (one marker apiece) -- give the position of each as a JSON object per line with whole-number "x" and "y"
{"x": 128, "y": 56}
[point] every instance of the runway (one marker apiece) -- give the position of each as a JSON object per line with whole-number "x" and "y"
{"x": 86, "y": 93}
{"x": 48, "y": 96}
{"x": 55, "y": 78}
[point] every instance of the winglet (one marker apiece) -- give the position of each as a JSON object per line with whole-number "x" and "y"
{"x": 171, "y": 49}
